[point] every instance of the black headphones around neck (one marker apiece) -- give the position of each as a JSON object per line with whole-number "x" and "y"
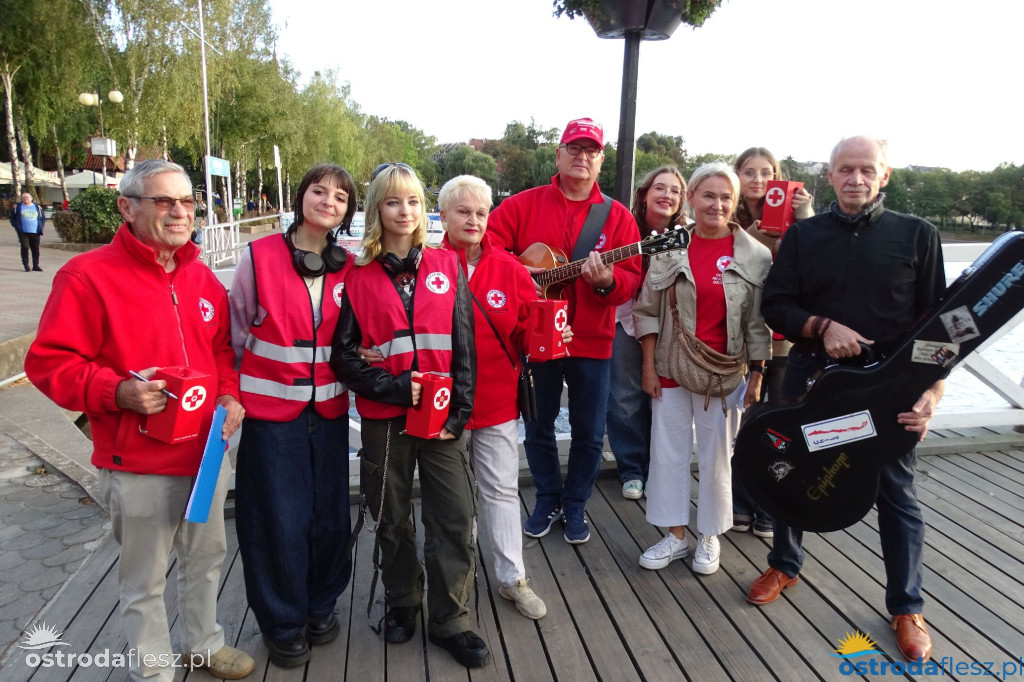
{"x": 313, "y": 264}
{"x": 395, "y": 266}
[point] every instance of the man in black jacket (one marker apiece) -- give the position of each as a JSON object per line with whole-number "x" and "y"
{"x": 859, "y": 274}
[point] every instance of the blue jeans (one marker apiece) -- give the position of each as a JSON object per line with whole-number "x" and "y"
{"x": 900, "y": 524}
{"x": 629, "y": 410}
{"x": 587, "y": 379}
{"x": 292, "y": 517}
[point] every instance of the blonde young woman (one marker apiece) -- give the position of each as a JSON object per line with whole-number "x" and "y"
{"x": 717, "y": 282}
{"x": 411, "y": 305}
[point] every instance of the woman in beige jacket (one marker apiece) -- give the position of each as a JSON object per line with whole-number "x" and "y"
{"x": 717, "y": 282}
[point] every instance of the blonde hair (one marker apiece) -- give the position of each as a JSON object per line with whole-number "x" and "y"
{"x": 461, "y": 186}
{"x": 717, "y": 168}
{"x": 392, "y": 181}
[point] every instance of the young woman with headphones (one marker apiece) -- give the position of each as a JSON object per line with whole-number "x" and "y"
{"x": 291, "y": 486}
{"x": 410, "y": 305}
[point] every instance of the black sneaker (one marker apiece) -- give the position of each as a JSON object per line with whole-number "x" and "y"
{"x": 764, "y": 528}
{"x": 322, "y": 629}
{"x": 540, "y": 521}
{"x": 466, "y": 647}
{"x": 289, "y": 652}
{"x": 400, "y": 623}
{"x": 36, "y": 268}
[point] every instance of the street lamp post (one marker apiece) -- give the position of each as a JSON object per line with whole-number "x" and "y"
{"x": 92, "y": 99}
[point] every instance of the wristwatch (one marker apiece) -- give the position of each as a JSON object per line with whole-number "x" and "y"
{"x": 604, "y": 291}
{"x": 758, "y": 368}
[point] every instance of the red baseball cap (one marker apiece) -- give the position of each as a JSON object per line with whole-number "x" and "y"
{"x": 583, "y": 129}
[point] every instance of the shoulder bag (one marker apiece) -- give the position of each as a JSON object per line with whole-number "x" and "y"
{"x": 527, "y": 395}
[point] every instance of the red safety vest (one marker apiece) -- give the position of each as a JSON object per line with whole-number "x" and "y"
{"x": 381, "y": 316}
{"x": 285, "y": 362}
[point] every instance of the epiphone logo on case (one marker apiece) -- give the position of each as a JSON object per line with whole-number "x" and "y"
{"x": 824, "y": 484}
{"x": 1000, "y": 288}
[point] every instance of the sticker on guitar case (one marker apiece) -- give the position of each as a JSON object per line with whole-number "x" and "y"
{"x": 960, "y": 325}
{"x": 780, "y": 469}
{"x": 775, "y": 440}
{"x": 838, "y": 430}
{"x": 935, "y": 353}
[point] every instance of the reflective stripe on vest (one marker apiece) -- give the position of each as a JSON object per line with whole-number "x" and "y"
{"x": 274, "y": 389}
{"x": 407, "y": 344}
{"x": 265, "y": 349}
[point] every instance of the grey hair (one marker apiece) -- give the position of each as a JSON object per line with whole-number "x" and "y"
{"x": 133, "y": 184}
{"x": 719, "y": 168}
{"x": 463, "y": 185}
{"x": 883, "y": 147}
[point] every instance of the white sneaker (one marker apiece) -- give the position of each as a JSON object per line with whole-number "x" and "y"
{"x": 705, "y": 558}
{"x": 528, "y": 603}
{"x": 633, "y": 490}
{"x": 667, "y": 550}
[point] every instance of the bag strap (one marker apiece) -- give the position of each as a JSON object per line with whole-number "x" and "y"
{"x": 493, "y": 328}
{"x": 597, "y": 216}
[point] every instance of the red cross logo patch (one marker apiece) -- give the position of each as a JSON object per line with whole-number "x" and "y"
{"x": 775, "y": 197}
{"x": 723, "y": 263}
{"x": 441, "y": 398}
{"x": 600, "y": 242}
{"x": 193, "y": 399}
{"x": 561, "y": 319}
{"x": 205, "y": 309}
{"x": 438, "y": 283}
{"x": 339, "y": 289}
{"x": 496, "y": 299}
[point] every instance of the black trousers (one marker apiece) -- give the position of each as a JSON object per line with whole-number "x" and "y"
{"x": 30, "y": 240}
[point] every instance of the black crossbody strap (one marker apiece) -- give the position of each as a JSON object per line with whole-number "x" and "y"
{"x": 596, "y": 218}
{"x": 493, "y": 328}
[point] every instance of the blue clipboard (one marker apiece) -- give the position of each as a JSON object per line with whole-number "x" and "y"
{"x": 201, "y": 499}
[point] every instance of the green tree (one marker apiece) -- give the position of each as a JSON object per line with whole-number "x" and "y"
{"x": 465, "y": 160}
{"x": 665, "y": 146}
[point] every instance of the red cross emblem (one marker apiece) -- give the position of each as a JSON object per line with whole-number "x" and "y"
{"x": 438, "y": 283}
{"x": 496, "y": 298}
{"x": 441, "y": 398}
{"x": 193, "y": 399}
{"x": 775, "y": 197}
{"x": 561, "y": 318}
{"x": 205, "y": 309}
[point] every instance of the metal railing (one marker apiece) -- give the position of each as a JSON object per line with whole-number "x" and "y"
{"x": 223, "y": 242}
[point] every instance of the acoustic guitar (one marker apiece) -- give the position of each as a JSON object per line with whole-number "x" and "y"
{"x": 814, "y": 463}
{"x": 560, "y": 273}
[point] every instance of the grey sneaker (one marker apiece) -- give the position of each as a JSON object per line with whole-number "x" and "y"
{"x": 667, "y": 550}
{"x": 705, "y": 558}
{"x": 528, "y": 603}
{"x": 633, "y": 490}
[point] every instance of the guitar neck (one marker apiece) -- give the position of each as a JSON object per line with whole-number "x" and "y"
{"x": 572, "y": 270}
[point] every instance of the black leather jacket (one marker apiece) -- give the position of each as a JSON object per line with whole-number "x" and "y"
{"x": 377, "y": 384}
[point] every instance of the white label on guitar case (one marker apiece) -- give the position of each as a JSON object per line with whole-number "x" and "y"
{"x": 935, "y": 353}
{"x": 960, "y": 325}
{"x": 838, "y": 430}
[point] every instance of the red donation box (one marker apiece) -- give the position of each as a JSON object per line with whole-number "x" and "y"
{"x": 544, "y": 336}
{"x": 426, "y": 419}
{"x": 777, "y": 215}
{"x": 182, "y": 419}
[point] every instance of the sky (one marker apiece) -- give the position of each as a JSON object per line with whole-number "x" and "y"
{"x": 940, "y": 80}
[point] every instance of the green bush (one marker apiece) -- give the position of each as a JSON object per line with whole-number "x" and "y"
{"x": 69, "y": 225}
{"x": 98, "y": 208}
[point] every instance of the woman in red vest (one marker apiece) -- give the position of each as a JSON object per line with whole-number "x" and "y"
{"x": 410, "y": 304}
{"x": 291, "y": 486}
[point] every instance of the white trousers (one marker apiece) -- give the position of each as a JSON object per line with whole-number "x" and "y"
{"x": 147, "y": 514}
{"x": 495, "y": 452}
{"x": 675, "y": 419}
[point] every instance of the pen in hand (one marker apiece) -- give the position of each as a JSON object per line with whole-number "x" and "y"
{"x": 162, "y": 390}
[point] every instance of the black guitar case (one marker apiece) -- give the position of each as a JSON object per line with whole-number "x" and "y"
{"x": 813, "y": 464}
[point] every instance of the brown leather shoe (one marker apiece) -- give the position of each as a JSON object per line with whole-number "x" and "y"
{"x": 769, "y": 586}
{"x": 912, "y": 637}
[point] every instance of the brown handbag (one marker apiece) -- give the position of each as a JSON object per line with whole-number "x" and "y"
{"x": 698, "y": 367}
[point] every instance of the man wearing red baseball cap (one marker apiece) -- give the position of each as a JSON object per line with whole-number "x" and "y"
{"x": 556, "y": 215}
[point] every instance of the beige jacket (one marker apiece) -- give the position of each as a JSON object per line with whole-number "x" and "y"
{"x": 743, "y": 281}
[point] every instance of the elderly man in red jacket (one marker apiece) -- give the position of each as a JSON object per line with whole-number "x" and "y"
{"x": 555, "y": 214}
{"x": 143, "y": 302}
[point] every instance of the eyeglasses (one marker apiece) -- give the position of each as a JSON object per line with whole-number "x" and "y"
{"x": 575, "y": 149}
{"x": 670, "y": 191}
{"x": 752, "y": 174}
{"x": 167, "y": 203}
{"x": 383, "y": 166}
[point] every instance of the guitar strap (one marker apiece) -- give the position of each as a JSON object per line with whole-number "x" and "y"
{"x": 597, "y": 216}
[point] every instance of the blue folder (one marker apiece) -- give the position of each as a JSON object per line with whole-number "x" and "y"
{"x": 201, "y": 499}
